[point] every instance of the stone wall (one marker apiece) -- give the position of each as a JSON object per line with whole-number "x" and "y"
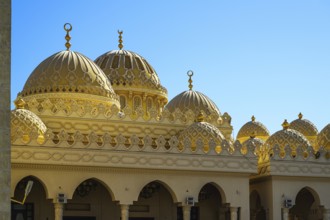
{"x": 5, "y": 56}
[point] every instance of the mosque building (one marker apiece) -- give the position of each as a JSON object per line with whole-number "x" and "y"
{"x": 99, "y": 140}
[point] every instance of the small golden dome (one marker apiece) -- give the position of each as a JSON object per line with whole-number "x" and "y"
{"x": 130, "y": 72}
{"x": 252, "y": 143}
{"x": 252, "y": 128}
{"x": 194, "y": 101}
{"x": 307, "y": 128}
{"x": 24, "y": 123}
{"x": 287, "y": 137}
{"x": 201, "y": 135}
{"x": 68, "y": 72}
{"x": 323, "y": 138}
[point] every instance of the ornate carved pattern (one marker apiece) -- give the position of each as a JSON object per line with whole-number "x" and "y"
{"x": 129, "y": 71}
{"x": 24, "y": 122}
{"x": 304, "y": 126}
{"x": 323, "y": 138}
{"x": 287, "y": 137}
{"x": 191, "y": 103}
{"x": 252, "y": 128}
{"x": 68, "y": 72}
{"x": 200, "y": 134}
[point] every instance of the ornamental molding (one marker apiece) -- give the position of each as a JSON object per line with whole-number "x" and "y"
{"x": 129, "y": 159}
{"x": 312, "y": 165}
{"x": 87, "y": 106}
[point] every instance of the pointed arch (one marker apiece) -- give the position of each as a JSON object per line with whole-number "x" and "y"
{"x": 36, "y": 180}
{"x": 307, "y": 204}
{"x": 219, "y": 189}
{"x": 165, "y": 185}
{"x": 90, "y": 181}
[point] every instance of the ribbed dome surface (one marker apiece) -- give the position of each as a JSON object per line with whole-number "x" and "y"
{"x": 194, "y": 101}
{"x": 129, "y": 71}
{"x": 323, "y": 138}
{"x": 68, "y": 72}
{"x": 287, "y": 137}
{"x": 307, "y": 128}
{"x": 24, "y": 121}
{"x": 252, "y": 128}
{"x": 201, "y": 135}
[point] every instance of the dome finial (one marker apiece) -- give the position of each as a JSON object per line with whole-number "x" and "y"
{"x": 285, "y": 124}
{"x": 19, "y": 103}
{"x": 190, "y": 73}
{"x": 67, "y": 28}
{"x": 300, "y": 115}
{"x": 200, "y": 117}
{"x": 120, "y": 45}
{"x": 253, "y": 118}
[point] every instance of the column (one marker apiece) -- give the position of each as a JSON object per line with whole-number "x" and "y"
{"x": 58, "y": 211}
{"x": 233, "y": 213}
{"x": 285, "y": 212}
{"x": 326, "y": 214}
{"x": 186, "y": 212}
{"x": 5, "y": 45}
{"x": 124, "y": 211}
{"x": 222, "y": 213}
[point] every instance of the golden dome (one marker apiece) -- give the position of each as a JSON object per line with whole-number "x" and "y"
{"x": 252, "y": 143}
{"x": 252, "y": 128}
{"x": 287, "y": 137}
{"x": 201, "y": 135}
{"x": 194, "y": 101}
{"x": 130, "y": 72}
{"x": 25, "y": 122}
{"x": 323, "y": 138}
{"x": 305, "y": 127}
{"x": 68, "y": 72}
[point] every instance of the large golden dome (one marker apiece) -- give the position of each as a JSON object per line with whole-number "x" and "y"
{"x": 24, "y": 123}
{"x": 252, "y": 128}
{"x": 194, "y": 101}
{"x": 323, "y": 138}
{"x": 201, "y": 136}
{"x": 68, "y": 72}
{"x": 287, "y": 137}
{"x": 130, "y": 72}
{"x": 72, "y": 74}
{"x": 307, "y": 128}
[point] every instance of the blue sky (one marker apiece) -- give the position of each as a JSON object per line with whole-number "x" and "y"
{"x": 270, "y": 59}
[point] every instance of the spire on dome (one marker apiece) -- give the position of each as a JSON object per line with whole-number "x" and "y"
{"x": 120, "y": 45}
{"x": 190, "y": 73}
{"x": 253, "y": 118}
{"x": 285, "y": 124}
{"x": 300, "y": 115}
{"x": 67, "y": 28}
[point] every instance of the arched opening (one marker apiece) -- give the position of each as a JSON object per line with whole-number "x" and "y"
{"x": 211, "y": 204}
{"x": 90, "y": 201}
{"x": 257, "y": 212}
{"x": 154, "y": 202}
{"x": 307, "y": 206}
{"x": 35, "y": 206}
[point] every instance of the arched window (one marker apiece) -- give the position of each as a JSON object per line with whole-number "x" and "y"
{"x": 149, "y": 104}
{"x": 137, "y": 103}
{"x": 122, "y": 100}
